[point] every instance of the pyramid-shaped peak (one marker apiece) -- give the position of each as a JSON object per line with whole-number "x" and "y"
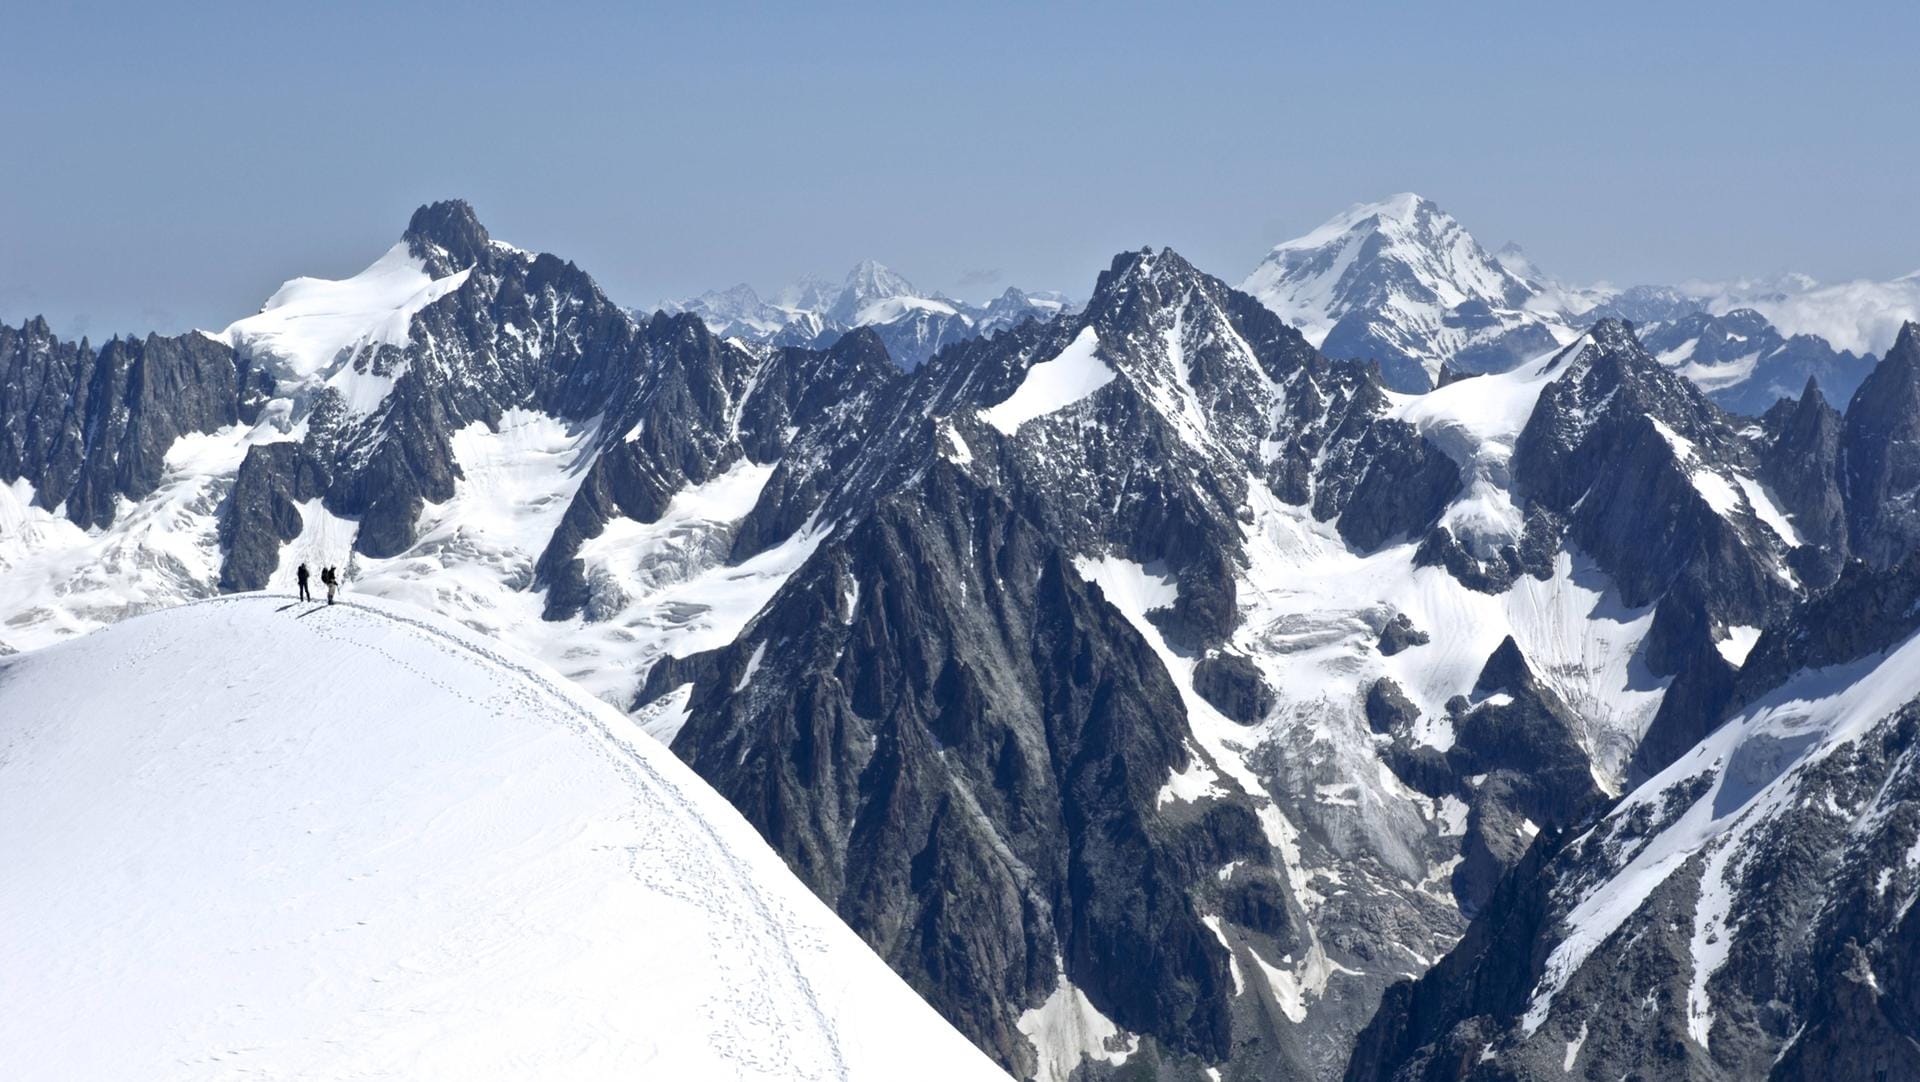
{"x": 1161, "y": 273}
{"x": 1810, "y": 396}
{"x": 869, "y": 281}
{"x": 1898, "y": 369}
{"x": 1506, "y": 670}
{"x": 1614, "y": 334}
{"x": 1146, "y": 262}
{"x": 875, "y": 279}
{"x": 1908, "y": 342}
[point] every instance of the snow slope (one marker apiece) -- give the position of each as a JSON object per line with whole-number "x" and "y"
{"x": 312, "y": 329}
{"x": 1053, "y": 385}
{"x": 1756, "y": 764}
{"x": 249, "y": 838}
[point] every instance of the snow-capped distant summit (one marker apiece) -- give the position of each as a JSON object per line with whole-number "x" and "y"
{"x": 868, "y": 283}
{"x": 809, "y": 292}
{"x": 1016, "y": 306}
{"x": 1514, "y": 260}
{"x": 1400, "y": 281}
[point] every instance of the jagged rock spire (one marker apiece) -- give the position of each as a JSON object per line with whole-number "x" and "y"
{"x": 448, "y": 236}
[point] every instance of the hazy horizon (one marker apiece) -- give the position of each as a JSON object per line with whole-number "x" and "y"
{"x": 172, "y": 169}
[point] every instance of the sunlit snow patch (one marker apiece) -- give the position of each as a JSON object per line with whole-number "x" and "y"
{"x": 1067, "y": 1029}
{"x": 1738, "y": 644}
{"x": 1053, "y": 385}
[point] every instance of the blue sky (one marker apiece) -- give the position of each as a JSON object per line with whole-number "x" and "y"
{"x": 168, "y": 168}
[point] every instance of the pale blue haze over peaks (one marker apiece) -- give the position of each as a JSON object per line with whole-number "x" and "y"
{"x": 168, "y": 167}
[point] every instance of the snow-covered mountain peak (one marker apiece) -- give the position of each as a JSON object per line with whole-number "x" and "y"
{"x": 1515, "y": 261}
{"x": 1350, "y": 258}
{"x": 868, "y": 283}
{"x": 311, "y": 329}
{"x": 914, "y": 325}
{"x": 1401, "y": 281}
{"x": 1395, "y": 212}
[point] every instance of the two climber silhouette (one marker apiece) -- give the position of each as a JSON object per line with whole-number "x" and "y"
{"x": 328, "y": 577}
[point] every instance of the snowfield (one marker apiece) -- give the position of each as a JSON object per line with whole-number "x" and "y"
{"x": 246, "y": 837}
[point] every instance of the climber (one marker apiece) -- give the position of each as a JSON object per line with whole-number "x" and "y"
{"x": 302, "y": 576}
{"x": 327, "y": 576}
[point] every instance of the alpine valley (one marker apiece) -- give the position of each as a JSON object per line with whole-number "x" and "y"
{"x": 1402, "y": 665}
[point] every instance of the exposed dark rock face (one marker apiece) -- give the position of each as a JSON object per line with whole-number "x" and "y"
{"x": 1864, "y": 611}
{"x": 1520, "y": 741}
{"x": 965, "y": 767}
{"x": 1399, "y": 634}
{"x": 1880, "y": 456}
{"x": 261, "y": 512}
{"x": 1800, "y": 462}
{"x": 1694, "y": 704}
{"x": 1388, "y": 708}
{"x": 1865, "y": 1020}
{"x": 1234, "y": 686}
{"x": 1495, "y": 573}
{"x": 922, "y": 655}
{"x": 1619, "y": 446}
{"x": 1434, "y": 1028}
{"x": 87, "y": 427}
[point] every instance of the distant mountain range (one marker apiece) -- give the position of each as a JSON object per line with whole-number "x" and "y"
{"x": 1402, "y": 283}
{"x": 911, "y": 324}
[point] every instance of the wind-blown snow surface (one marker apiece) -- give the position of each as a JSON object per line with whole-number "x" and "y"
{"x": 251, "y": 838}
